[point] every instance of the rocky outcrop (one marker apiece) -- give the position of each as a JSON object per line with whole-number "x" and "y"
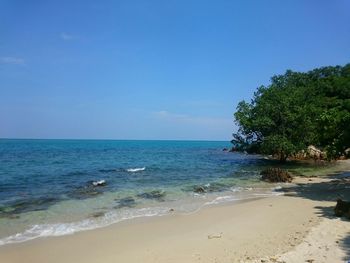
{"x": 315, "y": 153}
{"x": 342, "y": 208}
{"x": 276, "y": 175}
{"x": 347, "y": 152}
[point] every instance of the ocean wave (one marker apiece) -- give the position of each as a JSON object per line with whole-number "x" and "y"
{"x": 46, "y": 230}
{"x": 99, "y": 183}
{"x": 244, "y": 194}
{"x": 222, "y": 199}
{"x": 240, "y": 189}
{"x": 134, "y": 170}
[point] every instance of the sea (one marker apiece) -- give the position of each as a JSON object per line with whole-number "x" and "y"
{"x": 60, "y": 187}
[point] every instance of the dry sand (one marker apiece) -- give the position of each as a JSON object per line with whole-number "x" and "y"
{"x": 296, "y": 227}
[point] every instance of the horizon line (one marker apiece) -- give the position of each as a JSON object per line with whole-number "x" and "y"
{"x": 89, "y": 139}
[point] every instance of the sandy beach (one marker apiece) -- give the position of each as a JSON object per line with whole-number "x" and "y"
{"x": 175, "y": 131}
{"x": 298, "y": 226}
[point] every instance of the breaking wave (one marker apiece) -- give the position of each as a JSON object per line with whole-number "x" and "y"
{"x": 60, "y": 229}
{"x": 134, "y": 170}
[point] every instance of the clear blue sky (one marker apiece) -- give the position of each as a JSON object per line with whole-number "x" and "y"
{"x": 153, "y": 69}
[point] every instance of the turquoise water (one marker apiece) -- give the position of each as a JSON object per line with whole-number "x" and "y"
{"x": 57, "y": 187}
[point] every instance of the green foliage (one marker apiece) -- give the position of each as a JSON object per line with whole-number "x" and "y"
{"x": 296, "y": 110}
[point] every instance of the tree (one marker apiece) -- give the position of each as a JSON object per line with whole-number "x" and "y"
{"x": 297, "y": 110}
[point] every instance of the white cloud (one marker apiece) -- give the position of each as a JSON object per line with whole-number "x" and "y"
{"x": 67, "y": 37}
{"x": 12, "y": 60}
{"x": 184, "y": 118}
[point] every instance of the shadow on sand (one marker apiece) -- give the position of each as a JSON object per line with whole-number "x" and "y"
{"x": 336, "y": 186}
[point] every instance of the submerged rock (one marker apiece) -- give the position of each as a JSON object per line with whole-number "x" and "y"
{"x": 342, "y": 208}
{"x": 199, "y": 189}
{"x": 84, "y": 192}
{"x": 91, "y": 189}
{"x": 125, "y": 202}
{"x": 276, "y": 175}
{"x": 26, "y": 205}
{"x": 211, "y": 187}
{"x": 216, "y": 187}
{"x": 97, "y": 214}
{"x": 155, "y": 194}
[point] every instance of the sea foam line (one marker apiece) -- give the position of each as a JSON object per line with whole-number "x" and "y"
{"x": 60, "y": 229}
{"x": 134, "y": 170}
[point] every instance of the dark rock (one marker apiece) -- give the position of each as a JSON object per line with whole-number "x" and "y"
{"x": 347, "y": 152}
{"x": 27, "y": 205}
{"x": 84, "y": 192}
{"x": 99, "y": 183}
{"x": 91, "y": 189}
{"x": 98, "y": 214}
{"x": 125, "y": 202}
{"x": 155, "y": 194}
{"x": 199, "y": 189}
{"x": 342, "y": 208}
{"x": 233, "y": 149}
{"x": 211, "y": 187}
{"x": 276, "y": 175}
{"x": 215, "y": 187}
{"x": 225, "y": 150}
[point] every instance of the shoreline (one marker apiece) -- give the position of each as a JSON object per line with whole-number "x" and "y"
{"x": 287, "y": 228}
{"x": 106, "y": 219}
{"x": 206, "y": 235}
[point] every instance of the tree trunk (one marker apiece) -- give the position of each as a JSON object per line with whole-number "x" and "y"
{"x": 283, "y": 157}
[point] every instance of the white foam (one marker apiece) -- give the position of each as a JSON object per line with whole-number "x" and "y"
{"x": 134, "y": 170}
{"x": 222, "y": 199}
{"x": 99, "y": 183}
{"x": 236, "y": 189}
{"x": 61, "y": 229}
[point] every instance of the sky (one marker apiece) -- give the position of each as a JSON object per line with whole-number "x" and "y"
{"x": 153, "y": 69}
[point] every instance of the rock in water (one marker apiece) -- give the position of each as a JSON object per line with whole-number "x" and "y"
{"x": 199, "y": 189}
{"x": 97, "y": 214}
{"x": 342, "y": 208}
{"x": 276, "y": 175}
{"x": 99, "y": 183}
{"x": 125, "y": 202}
{"x": 155, "y": 194}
